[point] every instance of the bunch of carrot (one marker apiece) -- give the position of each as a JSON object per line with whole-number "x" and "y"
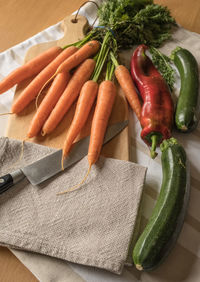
{"x": 75, "y": 72}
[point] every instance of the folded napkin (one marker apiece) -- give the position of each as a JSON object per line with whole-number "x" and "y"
{"x": 91, "y": 226}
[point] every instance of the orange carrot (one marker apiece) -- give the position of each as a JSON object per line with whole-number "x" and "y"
{"x": 105, "y": 100}
{"x": 85, "y": 101}
{"x": 124, "y": 78}
{"x": 30, "y": 68}
{"x": 31, "y": 91}
{"x": 86, "y": 51}
{"x": 48, "y": 103}
{"x": 80, "y": 76}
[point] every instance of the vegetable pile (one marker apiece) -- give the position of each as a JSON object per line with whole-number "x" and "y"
{"x": 77, "y": 70}
{"x": 84, "y": 72}
{"x": 157, "y": 116}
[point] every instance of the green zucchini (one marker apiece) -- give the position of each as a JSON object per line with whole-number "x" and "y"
{"x": 186, "y": 114}
{"x": 153, "y": 243}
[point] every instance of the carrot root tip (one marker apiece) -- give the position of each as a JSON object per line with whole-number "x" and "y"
{"x": 75, "y": 187}
{"x": 62, "y": 162}
{"x": 4, "y": 114}
{"x": 43, "y": 133}
{"x": 22, "y": 149}
{"x": 37, "y": 97}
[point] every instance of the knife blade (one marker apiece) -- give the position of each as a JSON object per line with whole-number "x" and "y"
{"x": 50, "y": 165}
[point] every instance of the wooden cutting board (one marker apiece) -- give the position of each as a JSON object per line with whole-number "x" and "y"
{"x": 18, "y": 124}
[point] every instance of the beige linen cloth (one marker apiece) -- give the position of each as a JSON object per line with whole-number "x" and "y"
{"x": 91, "y": 226}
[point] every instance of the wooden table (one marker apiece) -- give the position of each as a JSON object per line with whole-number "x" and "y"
{"x": 22, "y": 19}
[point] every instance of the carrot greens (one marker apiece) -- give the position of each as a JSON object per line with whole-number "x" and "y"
{"x": 136, "y": 22}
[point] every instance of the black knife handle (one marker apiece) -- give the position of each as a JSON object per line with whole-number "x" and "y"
{"x": 6, "y": 182}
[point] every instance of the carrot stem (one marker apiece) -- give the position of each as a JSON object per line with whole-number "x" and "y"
{"x": 109, "y": 71}
{"x": 82, "y": 41}
{"x": 100, "y": 67}
{"x": 114, "y": 60}
{"x": 102, "y": 56}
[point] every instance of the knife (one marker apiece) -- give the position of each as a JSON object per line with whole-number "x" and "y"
{"x": 50, "y": 165}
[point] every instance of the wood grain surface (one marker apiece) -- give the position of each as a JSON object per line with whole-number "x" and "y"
{"x": 22, "y": 19}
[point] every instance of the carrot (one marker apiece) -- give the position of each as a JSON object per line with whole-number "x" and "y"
{"x": 86, "y": 51}
{"x": 48, "y": 103}
{"x": 105, "y": 100}
{"x": 31, "y": 91}
{"x": 80, "y": 76}
{"x": 85, "y": 101}
{"x": 30, "y": 68}
{"x": 125, "y": 81}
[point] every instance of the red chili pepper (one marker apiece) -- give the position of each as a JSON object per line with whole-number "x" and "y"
{"x": 157, "y": 110}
